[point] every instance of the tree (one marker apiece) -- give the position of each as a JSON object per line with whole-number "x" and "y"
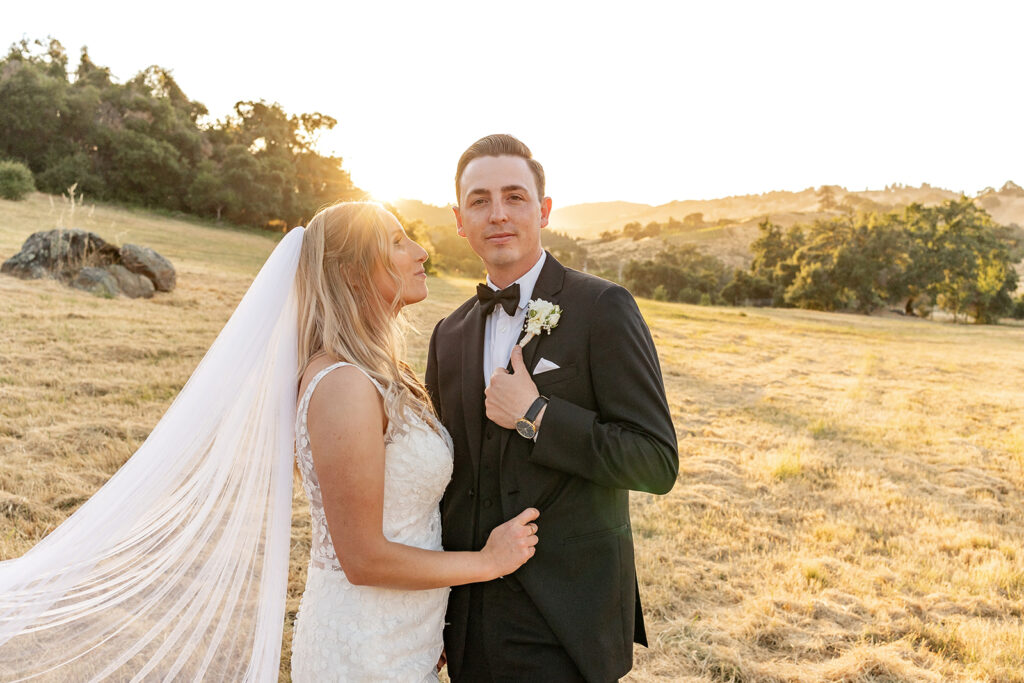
{"x": 773, "y": 253}
{"x": 827, "y": 198}
{"x": 684, "y": 272}
{"x": 746, "y": 288}
{"x": 1018, "y": 308}
{"x": 564, "y": 248}
{"x": 208, "y": 193}
{"x": 142, "y": 142}
{"x": 693, "y": 221}
{"x": 961, "y": 259}
{"x": 453, "y": 253}
{"x": 952, "y": 254}
{"x": 33, "y": 100}
{"x": 991, "y": 296}
{"x": 633, "y": 230}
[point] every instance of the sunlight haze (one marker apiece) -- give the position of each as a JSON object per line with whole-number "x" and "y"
{"x": 643, "y": 101}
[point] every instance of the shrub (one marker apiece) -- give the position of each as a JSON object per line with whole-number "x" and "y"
{"x": 76, "y": 169}
{"x": 16, "y": 180}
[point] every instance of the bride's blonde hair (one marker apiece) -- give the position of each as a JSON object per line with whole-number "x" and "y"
{"x": 342, "y": 312}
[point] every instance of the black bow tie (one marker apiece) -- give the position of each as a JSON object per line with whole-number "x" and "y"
{"x": 508, "y": 298}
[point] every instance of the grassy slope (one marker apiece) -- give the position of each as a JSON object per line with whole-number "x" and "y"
{"x": 851, "y": 490}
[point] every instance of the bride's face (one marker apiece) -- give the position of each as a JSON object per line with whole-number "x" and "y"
{"x": 407, "y": 259}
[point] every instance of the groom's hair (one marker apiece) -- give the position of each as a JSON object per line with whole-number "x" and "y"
{"x": 497, "y": 146}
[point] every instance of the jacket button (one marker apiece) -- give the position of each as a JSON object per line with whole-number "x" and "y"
{"x": 487, "y": 502}
{"x": 472, "y": 493}
{"x": 489, "y": 433}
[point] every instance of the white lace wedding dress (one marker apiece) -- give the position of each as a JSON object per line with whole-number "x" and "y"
{"x": 363, "y": 633}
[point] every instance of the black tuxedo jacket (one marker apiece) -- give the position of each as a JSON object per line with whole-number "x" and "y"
{"x": 607, "y": 429}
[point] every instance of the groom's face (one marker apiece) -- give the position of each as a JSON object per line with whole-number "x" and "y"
{"x": 501, "y": 215}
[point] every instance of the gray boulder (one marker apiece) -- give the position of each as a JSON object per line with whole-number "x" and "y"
{"x": 145, "y": 261}
{"x": 96, "y": 281}
{"x": 59, "y": 253}
{"x": 84, "y": 260}
{"x": 132, "y": 285}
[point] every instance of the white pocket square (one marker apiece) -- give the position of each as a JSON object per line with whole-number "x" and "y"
{"x": 543, "y": 365}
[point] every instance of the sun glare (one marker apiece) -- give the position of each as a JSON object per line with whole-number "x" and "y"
{"x": 385, "y": 197}
{"x": 380, "y": 186}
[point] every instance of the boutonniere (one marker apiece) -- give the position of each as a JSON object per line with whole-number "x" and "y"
{"x": 541, "y": 316}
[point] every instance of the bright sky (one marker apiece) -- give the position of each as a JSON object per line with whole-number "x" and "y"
{"x": 637, "y": 101}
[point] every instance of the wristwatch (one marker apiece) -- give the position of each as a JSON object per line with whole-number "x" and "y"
{"x": 524, "y": 425}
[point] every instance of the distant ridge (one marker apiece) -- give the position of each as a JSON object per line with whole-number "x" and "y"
{"x": 582, "y": 221}
{"x": 415, "y": 210}
{"x": 1006, "y": 206}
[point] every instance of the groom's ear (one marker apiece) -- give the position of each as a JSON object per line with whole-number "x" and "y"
{"x": 458, "y": 221}
{"x": 545, "y": 211}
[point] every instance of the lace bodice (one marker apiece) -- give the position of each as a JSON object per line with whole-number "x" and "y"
{"x": 354, "y": 634}
{"x": 418, "y": 466}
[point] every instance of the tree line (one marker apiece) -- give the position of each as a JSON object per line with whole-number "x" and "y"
{"x": 951, "y": 256}
{"x": 145, "y": 142}
{"x": 637, "y": 231}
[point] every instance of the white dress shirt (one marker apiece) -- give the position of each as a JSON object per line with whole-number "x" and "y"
{"x": 501, "y": 330}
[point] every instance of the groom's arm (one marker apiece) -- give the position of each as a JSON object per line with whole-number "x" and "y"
{"x": 629, "y": 442}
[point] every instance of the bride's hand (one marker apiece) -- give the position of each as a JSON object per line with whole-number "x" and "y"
{"x": 510, "y": 545}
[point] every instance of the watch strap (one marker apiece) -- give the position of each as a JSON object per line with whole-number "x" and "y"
{"x": 535, "y": 408}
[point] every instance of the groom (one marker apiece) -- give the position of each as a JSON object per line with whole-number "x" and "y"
{"x": 579, "y": 421}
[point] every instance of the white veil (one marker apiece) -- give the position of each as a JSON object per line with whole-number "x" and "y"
{"x": 177, "y": 568}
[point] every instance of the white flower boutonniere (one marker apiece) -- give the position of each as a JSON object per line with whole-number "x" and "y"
{"x": 541, "y": 316}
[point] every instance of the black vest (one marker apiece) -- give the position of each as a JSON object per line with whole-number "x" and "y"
{"x": 488, "y": 485}
{"x": 488, "y": 493}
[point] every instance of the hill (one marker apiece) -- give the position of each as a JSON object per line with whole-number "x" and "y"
{"x": 1005, "y": 205}
{"x": 729, "y": 239}
{"x": 851, "y": 496}
{"x": 589, "y": 220}
{"x": 415, "y": 210}
{"x": 730, "y": 222}
{"x": 734, "y": 218}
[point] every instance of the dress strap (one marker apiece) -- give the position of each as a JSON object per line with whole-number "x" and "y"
{"x": 304, "y": 405}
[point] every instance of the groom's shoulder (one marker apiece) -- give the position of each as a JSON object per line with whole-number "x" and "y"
{"x": 606, "y": 302}
{"x": 587, "y": 286}
{"x": 455, "y": 318}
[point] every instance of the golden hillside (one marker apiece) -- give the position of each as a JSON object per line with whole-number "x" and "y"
{"x": 731, "y": 222}
{"x": 850, "y": 504}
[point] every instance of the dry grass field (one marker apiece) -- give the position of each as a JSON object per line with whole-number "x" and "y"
{"x": 850, "y": 504}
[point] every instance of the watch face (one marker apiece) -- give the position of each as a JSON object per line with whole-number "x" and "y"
{"x": 525, "y": 428}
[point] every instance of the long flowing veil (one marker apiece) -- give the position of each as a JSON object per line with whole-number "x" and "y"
{"x": 177, "y": 568}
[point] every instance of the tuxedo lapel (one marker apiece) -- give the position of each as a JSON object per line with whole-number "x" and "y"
{"x": 548, "y": 286}
{"x": 472, "y": 342}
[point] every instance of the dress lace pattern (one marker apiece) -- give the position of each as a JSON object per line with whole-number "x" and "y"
{"x": 364, "y": 633}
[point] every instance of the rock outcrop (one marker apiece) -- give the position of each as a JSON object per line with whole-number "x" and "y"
{"x": 145, "y": 261}
{"x": 86, "y": 261}
{"x": 59, "y": 253}
{"x": 132, "y": 285}
{"x": 96, "y": 281}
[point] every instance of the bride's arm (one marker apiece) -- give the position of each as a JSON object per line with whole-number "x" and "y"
{"x": 346, "y": 430}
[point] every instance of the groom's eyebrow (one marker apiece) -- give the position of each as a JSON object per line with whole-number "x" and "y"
{"x": 479, "y": 191}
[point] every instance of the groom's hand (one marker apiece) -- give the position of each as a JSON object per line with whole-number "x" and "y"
{"x": 509, "y": 396}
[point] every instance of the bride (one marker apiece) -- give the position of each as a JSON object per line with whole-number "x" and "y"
{"x": 177, "y": 567}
